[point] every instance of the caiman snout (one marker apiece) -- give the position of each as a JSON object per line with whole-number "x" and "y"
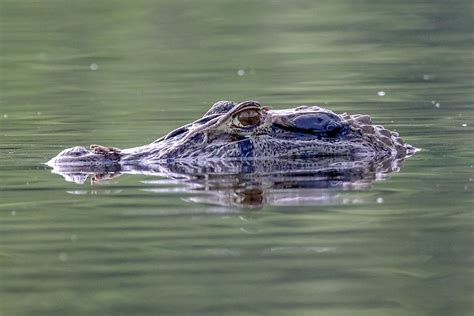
{"x": 80, "y": 155}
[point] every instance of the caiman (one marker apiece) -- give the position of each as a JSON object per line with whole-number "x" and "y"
{"x": 250, "y": 131}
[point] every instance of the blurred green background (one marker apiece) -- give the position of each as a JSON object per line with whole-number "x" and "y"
{"x": 123, "y": 73}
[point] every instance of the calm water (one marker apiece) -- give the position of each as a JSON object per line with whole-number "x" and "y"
{"x": 125, "y": 73}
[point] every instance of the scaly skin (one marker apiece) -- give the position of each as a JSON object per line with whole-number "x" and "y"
{"x": 230, "y": 131}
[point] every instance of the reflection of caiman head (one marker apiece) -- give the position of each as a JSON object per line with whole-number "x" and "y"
{"x": 230, "y": 131}
{"x": 250, "y": 183}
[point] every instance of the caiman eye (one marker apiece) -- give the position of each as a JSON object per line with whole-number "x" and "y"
{"x": 247, "y": 118}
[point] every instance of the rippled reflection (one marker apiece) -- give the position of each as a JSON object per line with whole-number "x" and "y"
{"x": 250, "y": 183}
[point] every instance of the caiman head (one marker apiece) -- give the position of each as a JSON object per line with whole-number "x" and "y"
{"x": 249, "y": 130}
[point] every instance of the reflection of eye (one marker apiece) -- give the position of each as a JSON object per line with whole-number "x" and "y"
{"x": 247, "y": 118}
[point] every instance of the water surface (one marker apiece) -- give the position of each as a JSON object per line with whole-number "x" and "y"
{"x": 125, "y": 74}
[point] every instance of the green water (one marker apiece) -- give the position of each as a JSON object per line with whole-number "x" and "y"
{"x": 123, "y": 73}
